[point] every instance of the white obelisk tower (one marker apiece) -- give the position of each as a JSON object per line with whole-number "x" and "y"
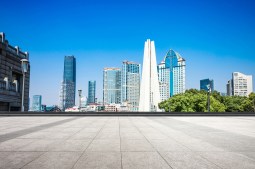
{"x": 149, "y": 91}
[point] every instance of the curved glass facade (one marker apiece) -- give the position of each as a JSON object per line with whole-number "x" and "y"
{"x": 176, "y": 66}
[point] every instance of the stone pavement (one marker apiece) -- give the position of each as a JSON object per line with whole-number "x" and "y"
{"x": 127, "y": 142}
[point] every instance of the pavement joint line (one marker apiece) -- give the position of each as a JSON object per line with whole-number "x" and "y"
{"x": 120, "y": 145}
{"x": 152, "y": 146}
{"x": 23, "y": 132}
{"x": 90, "y": 143}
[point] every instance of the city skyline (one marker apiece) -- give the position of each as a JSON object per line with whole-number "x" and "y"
{"x": 215, "y": 44}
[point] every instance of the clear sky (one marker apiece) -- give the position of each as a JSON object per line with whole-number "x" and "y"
{"x": 216, "y": 37}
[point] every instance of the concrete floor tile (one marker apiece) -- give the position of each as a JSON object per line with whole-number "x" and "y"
{"x": 70, "y": 145}
{"x": 54, "y": 160}
{"x": 131, "y": 135}
{"x": 108, "y": 135}
{"x": 38, "y": 145}
{"x": 187, "y": 160}
{"x": 168, "y": 145}
{"x": 136, "y": 145}
{"x": 99, "y": 160}
{"x": 105, "y": 145}
{"x": 232, "y": 160}
{"x": 15, "y": 160}
{"x": 143, "y": 160}
{"x": 83, "y": 135}
{"x": 14, "y": 144}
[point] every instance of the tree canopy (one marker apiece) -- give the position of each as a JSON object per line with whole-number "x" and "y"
{"x": 194, "y": 100}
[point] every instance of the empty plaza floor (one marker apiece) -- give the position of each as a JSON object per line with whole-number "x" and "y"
{"x": 127, "y": 142}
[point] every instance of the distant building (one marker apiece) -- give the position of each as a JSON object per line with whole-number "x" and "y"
{"x": 91, "y": 92}
{"x": 242, "y": 84}
{"x": 11, "y": 77}
{"x": 37, "y": 103}
{"x": 43, "y": 108}
{"x": 177, "y": 70}
{"x": 130, "y": 84}
{"x": 229, "y": 88}
{"x": 205, "y": 83}
{"x": 68, "y": 86}
{"x": 111, "y": 85}
{"x": 171, "y": 75}
{"x": 149, "y": 92}
{"x": 164, "y": 81}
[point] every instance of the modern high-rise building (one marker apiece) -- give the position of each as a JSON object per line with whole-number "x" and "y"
{"x": 177, "y": 66}
{"x": 205, "y": 83}
{"x": 91, "y": 92}
{"x": 149, "y": 91}
{"x": 130, "y": 84}
{"x": 240, "y": 85}
{"x": 229, "y": 88}
{"x": 111, "y": 85}
{"x": 68, "y": 86}
{"x": 164, "y": 80}
{"x": 11, "y": 77}
{"x": 37, "y": 103}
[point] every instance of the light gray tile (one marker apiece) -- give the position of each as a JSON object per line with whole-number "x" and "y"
{"x": 13, "y": 160}
{"x": 143, "y": 160}
{"x": 70, "y": 145}
{"x": 136, "y": 145}
{"x": 104, "y": 145}
{"x": 55, "y": 160}
{"x": 99, "y": 160}
{"x": 187, "y": 160}
{"x": 232, "y": 160}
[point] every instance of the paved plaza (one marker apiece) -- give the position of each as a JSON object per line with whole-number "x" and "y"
{"x": 127, "y": 142}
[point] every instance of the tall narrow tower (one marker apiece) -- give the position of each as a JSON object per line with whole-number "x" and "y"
{"x": 149, "y": 93}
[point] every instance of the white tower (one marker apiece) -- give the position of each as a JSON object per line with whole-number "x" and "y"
{"x": 149, "y": 93}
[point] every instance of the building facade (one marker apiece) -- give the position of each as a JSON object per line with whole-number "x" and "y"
{"x": 242, "y": 84}
{"x": 68, "y": 85}
{"x": 229, "y": 88}
{"x": 177, "y": 70}
{"x": 111, "y": 85}
{"x": 130, "y": 84}
{"x": 205, "y": 83}
{"x": 37, "y": 103}
{"x": 149, "y": 93}
{"x": 11, "y": 77}
{"x": 164, "y": 80}
{"x": 91, "y": 92}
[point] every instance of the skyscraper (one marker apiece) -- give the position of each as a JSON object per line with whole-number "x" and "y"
{"x": 37, "y": 103}
{"x": 130, "y": 84}
{"x": 240, "y": 85}
{"x": 204, "y": 84}
{"x": 149, "y": 93}
{"x": 229, "y": 88}
{"x": 164, "y": 80}
{"x": 111, "y": 85}
{"x": 91, "y": 92}
{"x": 68, "y": 86}
{"x": 176, "y": 65}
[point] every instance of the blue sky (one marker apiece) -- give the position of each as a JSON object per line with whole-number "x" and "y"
{"x": 216, "y": 37}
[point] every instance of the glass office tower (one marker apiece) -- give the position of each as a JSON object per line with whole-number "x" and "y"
{"x": 176, "y": 65}
{"x": 68, "y": 87}
{"x": 37, "y": 103}
{"x": 112, "y": 86}
{"x": 91, "y": 92}
{"x": 130, "y": 84}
